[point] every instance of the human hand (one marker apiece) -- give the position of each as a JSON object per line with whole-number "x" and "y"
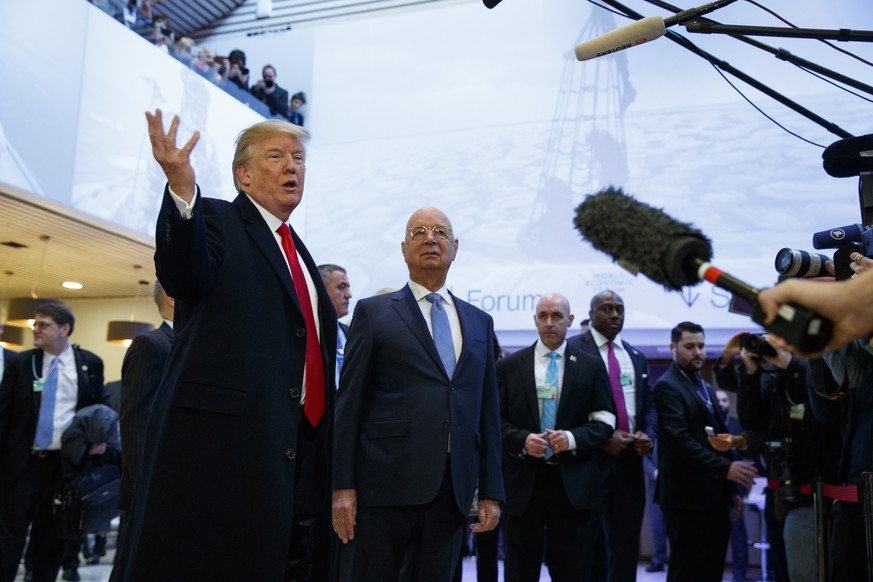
{"x": 535, "y": 445}
{"x": 489, "y": 516}
{"x": 782, "y": 359}
{"x": 618, "y": 442}
{"x": 174, "y": 161}
{"x": 344, "y": 513}
{"x": 860, "y": 263}
{"x": 848, "y": 304}
{"x": 731, "y": 349}
{"x": 751, "y": 361}
{"x": 558, "y": 440}
{"x": 725, "y": 441}
{"x": 642, "y": 443}
{"x": 97, "y": 449}
{"x": 742, "y": 472}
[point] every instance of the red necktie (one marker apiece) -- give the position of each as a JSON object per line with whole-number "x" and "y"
{"x": 617, "y": 389}
{"x": 314, "y": 405}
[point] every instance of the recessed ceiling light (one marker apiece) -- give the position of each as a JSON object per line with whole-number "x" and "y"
{"x": 71, "y": 285}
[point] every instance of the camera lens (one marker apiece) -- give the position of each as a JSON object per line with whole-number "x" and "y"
{"x": 797, "y": 263}
{"x": 756, "y": 344}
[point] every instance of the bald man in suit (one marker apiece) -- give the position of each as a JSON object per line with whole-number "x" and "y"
{"x": 417, "y": 421}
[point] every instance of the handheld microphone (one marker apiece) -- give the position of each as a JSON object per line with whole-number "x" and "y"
{"x": 849, "y": 157}
{"x": 639, "y": 32}
{"x": 642, "y": 238}
{"x": 837, "y": 237}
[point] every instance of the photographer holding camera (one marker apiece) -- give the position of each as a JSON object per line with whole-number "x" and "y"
{"x": 772, "y": 404}
{"x": 238, "y": 74}
{"x": 841, "y": 395}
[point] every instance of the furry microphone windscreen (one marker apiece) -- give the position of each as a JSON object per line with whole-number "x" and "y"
{"x": 642, "y": 238}
{"x": 849, "y": 157}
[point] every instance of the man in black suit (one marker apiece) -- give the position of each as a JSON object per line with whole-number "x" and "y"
{"x": 141, "y": 373}
{"x": 618, "y": 545}
{"x": 336, "y": 281}
{"x": 694, "y": 488}
{"x": 556, "y": 414}
{"x": 41, "y": 391}
{"x": 238, "y": 440}
{"x": 417, "y": 421}
{"x": 7, "y": 356}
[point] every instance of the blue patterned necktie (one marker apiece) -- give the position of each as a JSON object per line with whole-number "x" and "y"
{"x": 550, "y": 405}
{"x": 442, "y": 332}
{"x": 46, "y": 423}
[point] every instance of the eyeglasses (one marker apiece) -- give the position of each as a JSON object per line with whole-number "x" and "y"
{"x": 440, "y": 232}
{"x": 42, "y": 324}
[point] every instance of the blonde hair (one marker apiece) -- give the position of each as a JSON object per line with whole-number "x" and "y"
{"x": 249, "y": 138}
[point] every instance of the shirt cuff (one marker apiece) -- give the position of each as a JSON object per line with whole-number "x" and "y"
{"x": 603, "y": 416}
{"x": 185, "y": 209}
{"x": 571, "y": 441}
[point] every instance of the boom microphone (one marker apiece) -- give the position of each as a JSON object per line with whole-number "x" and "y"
{"x": 849, "y": 157}
{"x": 639, "y": 32}
{"x": 642, "y": 238}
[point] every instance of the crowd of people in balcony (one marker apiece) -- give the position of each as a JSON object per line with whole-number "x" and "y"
{"x": 230, "y": 72}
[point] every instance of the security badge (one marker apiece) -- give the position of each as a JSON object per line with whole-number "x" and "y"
{"x": 796, "y": 411}
{"x": 546, "y": 392}
{"x": 38, "y": 385}
{"x": 626, "y": 379}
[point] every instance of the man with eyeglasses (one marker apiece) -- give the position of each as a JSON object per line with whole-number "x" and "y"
{"x": 41, "y": 391}
{"x": 417, "y": 421}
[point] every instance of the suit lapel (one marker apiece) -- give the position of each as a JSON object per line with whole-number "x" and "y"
{"x": 695, "y": 397}
{"x": 266, "y": 243}
{"x": 528, "y": 380}
{"x": 571, "y": 368}
{"x": 466, "y": 320}
{"x": 407, "y": 308}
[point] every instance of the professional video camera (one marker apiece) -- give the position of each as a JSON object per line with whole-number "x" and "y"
{"x": 842, "y": 159}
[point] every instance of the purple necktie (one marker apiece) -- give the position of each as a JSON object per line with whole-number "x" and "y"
{"x": 617, "y": 390}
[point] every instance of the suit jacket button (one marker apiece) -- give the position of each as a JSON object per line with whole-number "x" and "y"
{"x": 445, "y": 424}
{"x": 294, "y": 392}
{"x": 290, "y": 453}
{"x": 301, "y": 332}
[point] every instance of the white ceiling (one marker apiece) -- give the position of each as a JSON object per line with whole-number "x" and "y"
{"x": 108, "y": 260}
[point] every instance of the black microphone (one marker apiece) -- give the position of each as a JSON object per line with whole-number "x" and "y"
{"x": 644, "y": 239}
{"x": 639, "y": 32}
{"x": 849, "y": 157}
{"x": 837, "y": 237}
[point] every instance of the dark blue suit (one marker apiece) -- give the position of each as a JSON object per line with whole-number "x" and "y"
{"x": 692, "y": 489}
{"x": 396, "y": 411}
{"x": 625, "y": 499}
{"x": 140, "y": 376}
{"x": 225, "y": 439}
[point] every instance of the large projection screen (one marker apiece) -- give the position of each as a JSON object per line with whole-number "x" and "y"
{"x": 485, "y": 114}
